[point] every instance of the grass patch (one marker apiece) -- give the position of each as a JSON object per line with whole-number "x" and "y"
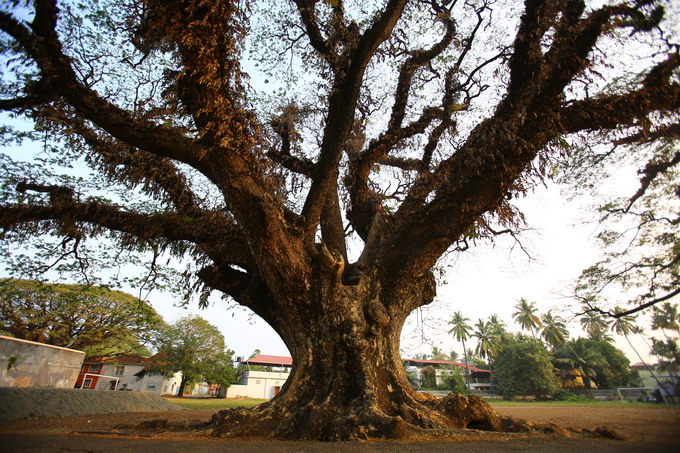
{"x": 617, "y": 403}
{"x": 215, "y": 403}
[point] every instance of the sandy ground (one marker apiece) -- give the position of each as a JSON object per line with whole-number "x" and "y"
{"x": 647, "y": 429}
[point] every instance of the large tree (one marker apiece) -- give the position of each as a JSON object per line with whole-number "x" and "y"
{"x": 408, "y": 126}
{"x": 93, "y": 319}
{"x": 195, "y": 348}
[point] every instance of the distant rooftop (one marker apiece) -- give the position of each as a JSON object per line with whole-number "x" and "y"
{"x": 269, "y": 360}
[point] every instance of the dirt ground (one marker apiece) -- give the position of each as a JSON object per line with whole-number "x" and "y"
{"x": 646, "y": 429}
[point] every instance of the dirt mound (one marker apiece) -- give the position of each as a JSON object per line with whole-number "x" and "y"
{"x": 20, "y": 402}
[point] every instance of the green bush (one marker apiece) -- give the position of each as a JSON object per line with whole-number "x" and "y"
{"x": 454, "y": 383}
{"x": 524, "y": 367}
{"x": 566, "y": 395}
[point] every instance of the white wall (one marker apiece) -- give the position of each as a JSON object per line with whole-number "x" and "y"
{"x": 30, "y": 364}
{"x": 150, "y": 382}
{"x": 258, "y": 384}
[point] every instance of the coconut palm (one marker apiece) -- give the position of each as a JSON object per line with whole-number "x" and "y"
{"x": 497, "y": 326}
{"x": 488, "y": 341}
{"x": 578, "y": 355}
{"x": 625, "y": 325}
{"x": 554, "y": 330}
{"x": 461, "y": 332}
{"x": 665, "y": 318}
{"x": 595, "y": 326}
{"x": 526, "y": 316}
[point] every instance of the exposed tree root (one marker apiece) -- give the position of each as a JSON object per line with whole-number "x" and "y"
{"x": 453, "y": 417}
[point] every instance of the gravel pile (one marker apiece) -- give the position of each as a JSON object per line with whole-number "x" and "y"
{"x": 24, "y": 402}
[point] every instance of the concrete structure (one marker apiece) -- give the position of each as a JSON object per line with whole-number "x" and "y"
{"x": 29, "y": 364}
{"x": 646, "y": 378}
{"x": 129, "y": 372}
{"x": 261, "y": 377}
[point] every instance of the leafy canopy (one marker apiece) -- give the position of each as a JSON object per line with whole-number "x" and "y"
{"x": 93, "y": 319}
{"x": 195, "y": 348}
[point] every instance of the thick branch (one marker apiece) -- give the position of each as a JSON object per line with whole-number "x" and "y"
{"x": 342, "y": 105}
{"x": 307, "y": 12}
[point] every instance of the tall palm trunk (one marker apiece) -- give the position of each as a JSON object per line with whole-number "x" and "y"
{"x": 467, "y": 370}
{"x": 647, "y": 367}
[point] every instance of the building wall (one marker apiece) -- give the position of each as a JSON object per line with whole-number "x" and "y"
{"x": 30, "y": 364}
{"x": 258, "y": 384}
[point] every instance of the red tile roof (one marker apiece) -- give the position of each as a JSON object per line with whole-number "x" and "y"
{"x": 270, "y": 360}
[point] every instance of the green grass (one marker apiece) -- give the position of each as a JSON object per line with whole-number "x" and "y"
{"x": 585, "y": 402}
{"x": 215, "y": 403}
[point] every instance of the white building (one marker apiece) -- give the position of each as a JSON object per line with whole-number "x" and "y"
{"x": 479, "y": 379}
{"x": 128, "y": 372}
{"x": 261, "y": 377}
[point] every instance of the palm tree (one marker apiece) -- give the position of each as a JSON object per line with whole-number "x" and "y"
{"x": 488, "y": 341}
{"x": 625, "y": 325}
{"x": 497, "y": 326}
{"x": 579, "y": 356}
{"x": 461, "y": 332}
{"x": 665, "y": 317}
{"x": 526, "y": 316}
{"x": 595, "y": 326}
{"x": 554, "y": 330}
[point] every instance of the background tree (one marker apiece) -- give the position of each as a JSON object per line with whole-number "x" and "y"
{"x": 488, "y": 340}
{"x": 409, "y": 130}
{"x": 93, "y": 319}
{"x": 666, "y": 318}
{"x": 615, "y": 371}
{"x": 195, "y": 348}
{"x": 461, "y": 332}
{"x": 554, "y": 331}
{"x": 524, "y": 367}
{"x": 429, "y": 377}
{"x": 526, "y": 316}
{"x": 596, "y": 326}
{"x": 625, "y": 325}
{"x": 222, "y": 372}
{"x": 497, "y": 325}
{"x": 581, "y": 356}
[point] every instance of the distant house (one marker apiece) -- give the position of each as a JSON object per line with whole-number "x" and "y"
{"x": 480, "y": 379}
{"x": 664, "y": 376}
{"x": 262, "y": 377}
{"x": 129, "y": 372}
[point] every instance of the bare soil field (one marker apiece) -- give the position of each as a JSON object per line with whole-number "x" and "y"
{"x": 646, "y": 429}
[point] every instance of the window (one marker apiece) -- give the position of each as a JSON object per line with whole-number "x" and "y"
{"x": 118, "y": 371}
{"x": 87, "y": 383}
{"x": 93, "y": 367}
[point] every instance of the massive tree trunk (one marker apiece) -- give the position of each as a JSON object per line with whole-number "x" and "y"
{"x": 348, "y": 379}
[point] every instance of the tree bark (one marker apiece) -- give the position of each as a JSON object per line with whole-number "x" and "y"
{"x": 183, "y": 383}
{"x": 348, "y": 380}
